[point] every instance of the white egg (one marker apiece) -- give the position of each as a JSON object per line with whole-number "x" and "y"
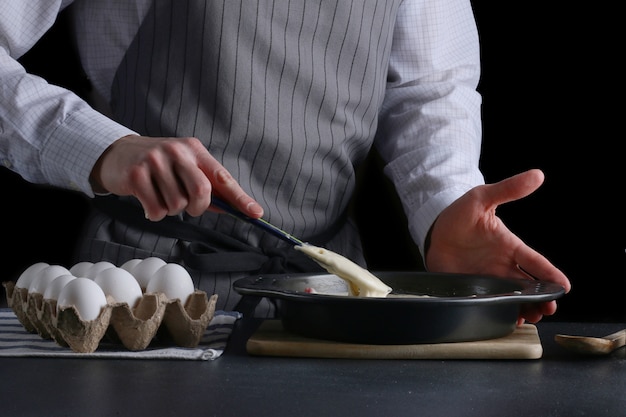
{"x": 81, "y": 268}
{"x": 145, "y": 269}
{"x": 93, "y": 270}
{"x": 44, "y": 277}
{"x": 119, "y": 284}
{"x": 85, "y": 295}
{"x": 27, "y": 276}
{"x": 173, "y": 280}
{"x": 130, "y": 264}
{"x": 54, "y": 288}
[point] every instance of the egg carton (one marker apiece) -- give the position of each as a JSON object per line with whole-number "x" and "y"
{"x": 154, "y": 316}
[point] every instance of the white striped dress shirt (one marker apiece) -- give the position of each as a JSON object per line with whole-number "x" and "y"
{"x": 429, "y": 125}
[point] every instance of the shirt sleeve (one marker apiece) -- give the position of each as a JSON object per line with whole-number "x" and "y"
{"x": 48, "y": 135}
{"x": 430, "y": 130}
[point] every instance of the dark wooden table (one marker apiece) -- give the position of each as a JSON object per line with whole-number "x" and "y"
{"x": 237, "y": 384}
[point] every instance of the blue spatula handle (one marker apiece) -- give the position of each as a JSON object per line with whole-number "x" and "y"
{"x": 268, "y": 227}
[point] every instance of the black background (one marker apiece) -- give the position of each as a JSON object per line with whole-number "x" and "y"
{"x": 548, "y": 81}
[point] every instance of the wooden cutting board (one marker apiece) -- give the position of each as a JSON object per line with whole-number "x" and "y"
{"x": 271, "y": 339}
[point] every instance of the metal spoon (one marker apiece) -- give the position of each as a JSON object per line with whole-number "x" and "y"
{"x": 592, "y": 345}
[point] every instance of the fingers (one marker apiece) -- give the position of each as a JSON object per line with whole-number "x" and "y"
{"x": 538, "y": 267}
{"x": 165, "y": 179}
{"x": 168, "y": 176}
{"x": 169, "y": 194}
{"x": 227, "y": 188}
{"x": 533, "y": 313}
{"x": 151, "y": 201}
{"x": 194, "y": 176}
{"x": 535, "y": 265}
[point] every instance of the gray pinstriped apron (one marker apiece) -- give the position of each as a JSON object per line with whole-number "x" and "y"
{"x": 285, "y": 95}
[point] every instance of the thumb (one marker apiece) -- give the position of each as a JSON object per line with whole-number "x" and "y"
{"x": 514, "y": 188}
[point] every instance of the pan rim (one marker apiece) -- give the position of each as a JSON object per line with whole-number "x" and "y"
{"x": 527, "y": 291}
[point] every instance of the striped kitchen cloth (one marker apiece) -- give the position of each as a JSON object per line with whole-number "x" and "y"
{"x": 15, "y": 341}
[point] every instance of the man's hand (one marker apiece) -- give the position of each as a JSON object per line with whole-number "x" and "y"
{"x": 168, "y": 176}
{"x": 468, "y": 237}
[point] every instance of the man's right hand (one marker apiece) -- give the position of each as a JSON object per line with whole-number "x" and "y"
{"x": 168, "y": 176}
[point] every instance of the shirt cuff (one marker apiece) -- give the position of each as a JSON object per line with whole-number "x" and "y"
{"x": 74, "y": 147}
